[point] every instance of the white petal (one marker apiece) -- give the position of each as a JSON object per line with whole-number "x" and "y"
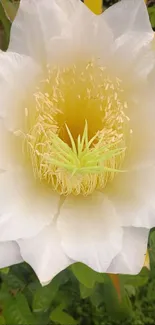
{"x": 85, "y": 35}
{"x": 133, "y": 34}
{"x": 131, "y": 259}
{"x": 128, "y": 16}
{"x": 90, "y": 231}
{"x": 9, "y": 254}
{"x": 36, "y": 22}
{"x": 147, "y": 190}
{"x": 24, "y": 209}
{"x": 5, "y": 148}
{"x": 18, "y": 74}
{"x": 45, "y": 254}
{"x": 69, "y": 6}
{"x": 133, "y": 191}
{"x": 132, "y": 195}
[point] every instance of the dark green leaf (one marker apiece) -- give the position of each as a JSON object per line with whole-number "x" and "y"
{"x": 12, "y": 281}
{"x": 45, "y": 295}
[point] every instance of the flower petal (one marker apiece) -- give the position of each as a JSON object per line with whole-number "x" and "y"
{"x": 128, "y": 16}
{"x": 131, "y": 259}
{"x": 133, "y": 34}
{"x": 9, "y": 254}
{"x": 133, "y": 198}
{"x": 90, "y": 231}
{"x": 69, "y": 6}
{"x": 133, "y": 191}
{"x": 24, "y": 210}
{"x": 15, "y": 79}
{"x": 37, "y": 21}
{"x": 45, "y": 254}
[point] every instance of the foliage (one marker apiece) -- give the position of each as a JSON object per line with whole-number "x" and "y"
{"x": 77, "y": 295}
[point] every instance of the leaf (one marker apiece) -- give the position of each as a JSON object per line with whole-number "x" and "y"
{"x": 130, "y": 290}
{"x": 2, "y": 320}
{"x": 61, "y": 317}
{"x": 30, "y": 290}
{"x": 97, "y": 296}
{"x": 86, "y": 275}
{"x": 45, "y": 295}
{"x": 17, "y": 311}
{"x": 5, "y": 270}
{"x": 12, "y": 281}
{"x": 151, "y": 11}
{"x": 152, "y": 246}
{"x": 10, "y": 8}
{"x": 6, "y": 25}
{"x": 84, "y": 291}
{"x": 138, "y": 280}
{"x": 116, "y": 299}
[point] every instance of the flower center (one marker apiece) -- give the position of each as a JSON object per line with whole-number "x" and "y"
{"x": 76, "y": 132}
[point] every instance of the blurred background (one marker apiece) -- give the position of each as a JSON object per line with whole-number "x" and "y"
{"x": 77, "y": 295}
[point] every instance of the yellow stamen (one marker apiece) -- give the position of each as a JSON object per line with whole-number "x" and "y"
{"x": 77, "y": 128}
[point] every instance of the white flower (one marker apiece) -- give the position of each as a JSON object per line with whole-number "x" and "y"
{"x": 77, "y": 111}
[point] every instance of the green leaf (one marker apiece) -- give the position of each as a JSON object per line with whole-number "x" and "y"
{"x": 45, "y": 295}
{"x": 12, "y": 281}
{"x": 2, "y": 320}
{"x": 10, "y": 8}
{"x": 60, "y": 317}
{"x": 152, "y": 246}
{"x": 97, "y": 296}
{"x": 86, "y": 275}
{"x": 151, "y": 11}
{"x": 17, "y": 311}
{"x": 6, "y": 25}
{"x": 138, "y": 280}
{"x": 130, "y": 290}
{"x": 5, "y": 270}
{"x": 116, "y": 299}
{"x": 84, "y": 291}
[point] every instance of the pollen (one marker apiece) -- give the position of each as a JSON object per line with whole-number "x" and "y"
{"x": 77, "y": 128}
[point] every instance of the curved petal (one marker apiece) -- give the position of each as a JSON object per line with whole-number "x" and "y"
{"x": 131, "y": 259}
{"x": 133, "y": 34}
{"x": 128, "y": 16}
{"x": 37, "y": 21}
{"x": 45, "y": 254}
{"x": 89, "y": 231}
{"x": 9, "y": 254}
{"x": 147, "y": 219}
{"x": 86, "y": 35}
{"x": 15, "y": 80}
{"x": 24, "y": 210}
{"x": 133, "y": 191}
{"x": 70, "y": 6}
{"x": 133, "y": 198}
{"x": 5, "y": 147}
